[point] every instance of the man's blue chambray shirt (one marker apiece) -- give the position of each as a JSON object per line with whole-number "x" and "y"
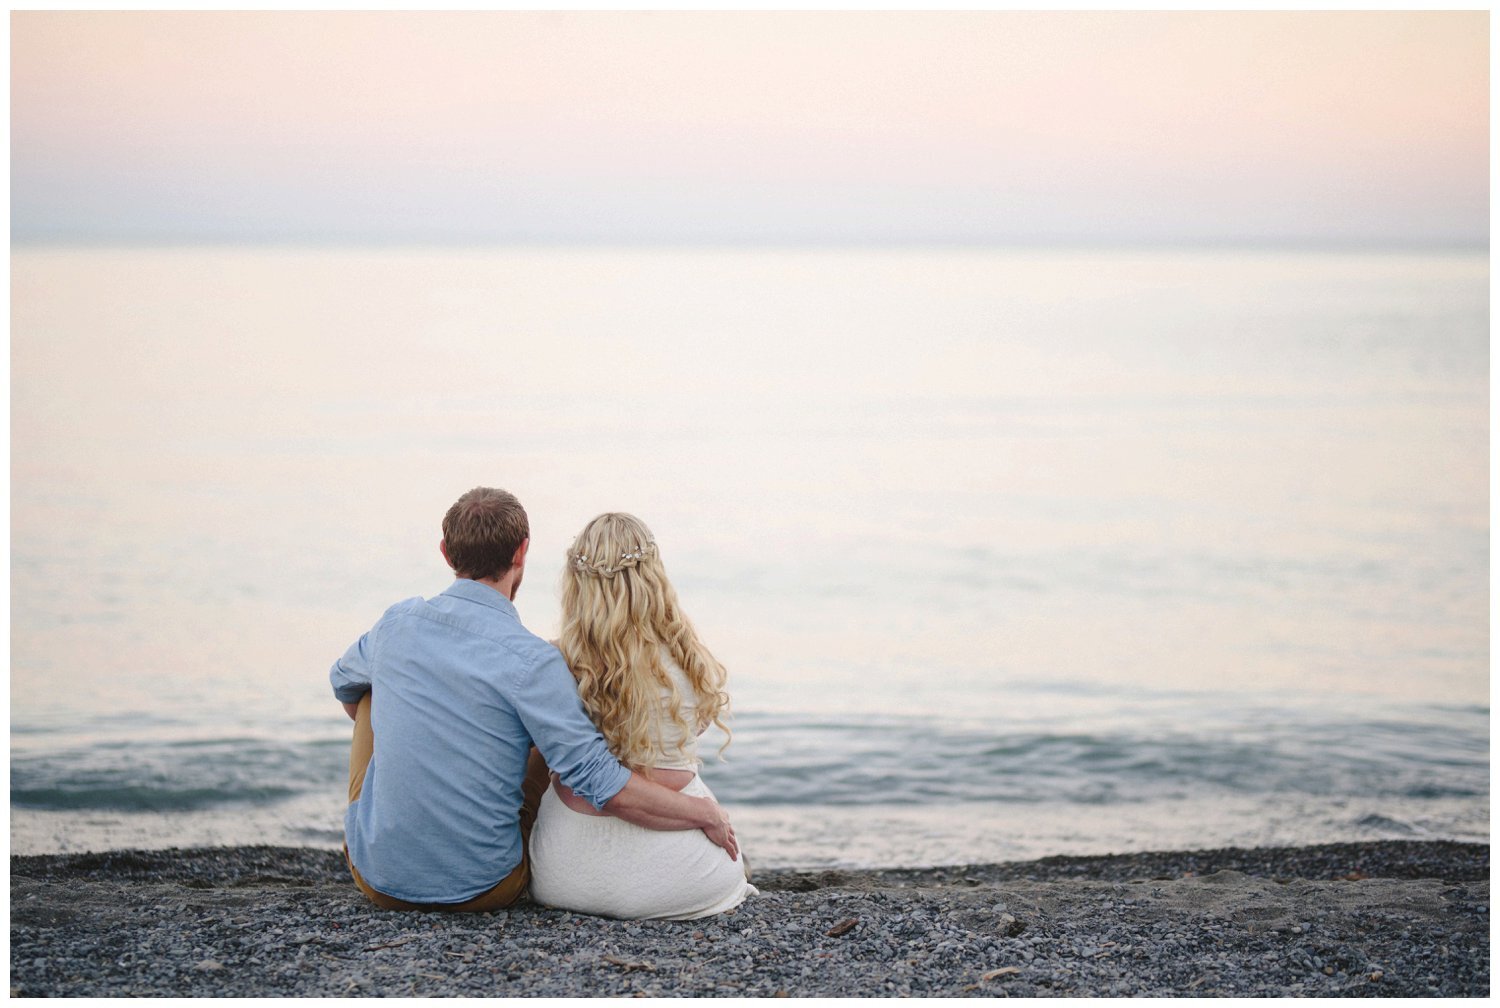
{"x": 461, "y": 693}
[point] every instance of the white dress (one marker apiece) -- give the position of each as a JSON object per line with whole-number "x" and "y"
{"x": 611, "y": 868}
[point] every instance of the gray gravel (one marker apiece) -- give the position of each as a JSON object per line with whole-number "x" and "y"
{"x": 1383, "y": 919}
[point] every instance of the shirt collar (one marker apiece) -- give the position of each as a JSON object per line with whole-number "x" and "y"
{"x": 473, "y": 591}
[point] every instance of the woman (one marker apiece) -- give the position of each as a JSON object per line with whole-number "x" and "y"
{"x": 652, "y": 688}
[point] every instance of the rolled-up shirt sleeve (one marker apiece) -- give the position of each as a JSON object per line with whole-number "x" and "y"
{"x": 350, "y": 675}
{"x": 547, "y": 701}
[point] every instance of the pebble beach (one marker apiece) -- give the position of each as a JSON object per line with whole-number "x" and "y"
{"x": 1381, "y": 919}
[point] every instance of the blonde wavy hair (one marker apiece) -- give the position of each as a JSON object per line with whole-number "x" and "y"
{"x": 619, "y": 613}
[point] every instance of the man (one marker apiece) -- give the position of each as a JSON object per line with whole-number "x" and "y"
{"x": 448, "y": 697}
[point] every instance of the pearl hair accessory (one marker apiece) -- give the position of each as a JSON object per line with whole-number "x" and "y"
{"x": 603, "y": 568}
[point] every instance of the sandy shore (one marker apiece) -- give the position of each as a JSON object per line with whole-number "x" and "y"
{"x": 1378, "y": 919}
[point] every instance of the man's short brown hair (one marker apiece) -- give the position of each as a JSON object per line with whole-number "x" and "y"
{"x": 482, "y": 531}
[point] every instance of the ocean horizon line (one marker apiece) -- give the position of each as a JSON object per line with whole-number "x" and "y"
{"x": 456, "y": 243}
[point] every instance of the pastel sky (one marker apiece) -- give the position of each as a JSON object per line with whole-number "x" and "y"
{"x": 1097, "y": 127}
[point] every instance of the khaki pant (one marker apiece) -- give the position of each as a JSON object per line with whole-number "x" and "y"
{"x": 508, "y": 889}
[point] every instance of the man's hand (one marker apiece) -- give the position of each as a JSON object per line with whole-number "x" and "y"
{"x": 722, "y": 833}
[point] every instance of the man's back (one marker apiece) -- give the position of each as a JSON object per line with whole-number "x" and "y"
{"x": 460, "y": 691}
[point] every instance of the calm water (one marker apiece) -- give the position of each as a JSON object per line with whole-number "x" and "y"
{"x": 1008, "y": 553}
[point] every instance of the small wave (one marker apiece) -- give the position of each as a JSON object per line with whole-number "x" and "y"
{"x": 1385, "y": 824}
{"x": 172, "y": 775}
{"x": 780, "y": 760}
{"x": 141, "y": 799}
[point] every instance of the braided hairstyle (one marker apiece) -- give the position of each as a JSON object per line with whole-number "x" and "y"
{"x": 619, "y": 613}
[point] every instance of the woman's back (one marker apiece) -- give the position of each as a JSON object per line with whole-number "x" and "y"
{"x": 594, "y": 863}
{"x": 651, "y": 701}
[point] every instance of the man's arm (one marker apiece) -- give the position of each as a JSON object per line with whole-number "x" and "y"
{"x": 659, "y": 808}
{"x": 350, "y": 675}
{"x": 546, "y": 698}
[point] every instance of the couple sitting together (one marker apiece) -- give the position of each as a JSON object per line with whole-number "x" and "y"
{"x": 485, "y": 758}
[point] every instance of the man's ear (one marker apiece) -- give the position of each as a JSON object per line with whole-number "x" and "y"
{"x": 519, "y": 560}
{"x": 443, "y": 549}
